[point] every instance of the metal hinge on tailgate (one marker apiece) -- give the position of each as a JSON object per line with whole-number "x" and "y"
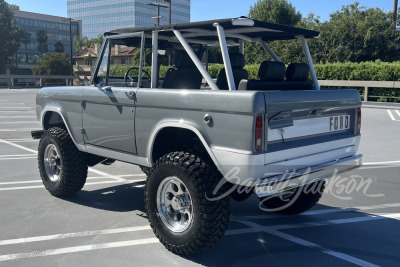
{"x": 281, "y": 120}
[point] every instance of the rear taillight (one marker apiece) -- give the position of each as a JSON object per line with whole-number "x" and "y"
{"x": 359, "y": 120}
{"x": 259, "y": 133}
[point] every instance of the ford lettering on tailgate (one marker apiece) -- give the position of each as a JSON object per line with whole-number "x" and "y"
{"x": 339, "y": 123}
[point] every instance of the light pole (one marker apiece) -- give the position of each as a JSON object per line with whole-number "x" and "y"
{"x": 158, "y": 5}
{"x": 169, "y": 22}
{"x": 170, "y": 12}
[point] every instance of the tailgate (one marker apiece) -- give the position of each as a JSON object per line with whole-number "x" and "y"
{"x": 306, "y": 123}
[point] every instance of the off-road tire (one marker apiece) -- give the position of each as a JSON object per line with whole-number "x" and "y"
{"x": 210, "y": 219}
{"x": 306, "y": 197}
{"x": 146, "y": 170}
{"x": 73, "y": 171}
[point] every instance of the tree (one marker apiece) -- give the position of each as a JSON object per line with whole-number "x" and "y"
{"x": 274, "y": 11}
{"x": 358, "y": 34}
{"x": 97, "y": 40}
{"x": 26, "y": 39}
{"x": 42, "y": 38}
{"x": 10, "y": 35}
{"x": 79, "y": 42}
{"x": 52, "y": 64}
{"x": 59, "y": 47}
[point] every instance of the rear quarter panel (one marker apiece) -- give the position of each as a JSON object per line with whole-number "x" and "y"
{"x": 232, "y": 116}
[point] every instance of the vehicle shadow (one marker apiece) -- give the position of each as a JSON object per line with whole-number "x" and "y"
{"x": 364, "y": 239}
{"x": 120, "y": 198}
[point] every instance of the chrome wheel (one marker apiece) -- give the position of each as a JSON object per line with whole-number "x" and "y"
{"x": 174, "y": 204}
{"x": 52, "y": 162}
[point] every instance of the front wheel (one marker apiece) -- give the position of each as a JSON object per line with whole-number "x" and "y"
{"x": 178, "y": 204}
{"x": 62, "y": 166}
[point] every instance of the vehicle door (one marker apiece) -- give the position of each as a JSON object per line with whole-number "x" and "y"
{"x": 109, "y": 104}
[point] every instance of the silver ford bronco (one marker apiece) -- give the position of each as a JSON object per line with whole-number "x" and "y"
{"x": 201, "y": 141}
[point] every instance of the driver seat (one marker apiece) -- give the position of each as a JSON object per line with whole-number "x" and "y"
{"x": 185, "y": 75}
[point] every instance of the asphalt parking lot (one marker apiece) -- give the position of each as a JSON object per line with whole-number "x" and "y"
{"x": 355, "y": 223}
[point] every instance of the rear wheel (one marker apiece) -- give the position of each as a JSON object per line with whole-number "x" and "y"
{"x": 62, "y": 166}
{"x": 295, "y": 201}
{"x": 177, "y": 202}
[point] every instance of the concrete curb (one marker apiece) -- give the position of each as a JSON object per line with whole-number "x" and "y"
{"x": 381, "y": 105}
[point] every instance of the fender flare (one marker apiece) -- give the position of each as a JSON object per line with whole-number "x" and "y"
{"x": 182, "y": 125}
{"x": 57, "y": 109}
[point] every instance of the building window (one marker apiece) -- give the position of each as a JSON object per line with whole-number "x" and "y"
{"x": 88, "y": 62}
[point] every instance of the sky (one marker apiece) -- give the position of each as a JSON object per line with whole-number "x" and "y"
{"x": 217, "y": 9}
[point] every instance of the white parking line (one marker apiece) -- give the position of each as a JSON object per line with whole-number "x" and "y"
{"x": 78, "y": 249}
{"x": 17, "y": 117}
{"x": 117, "y": 178}
{"x": 40, "y": 181}
{"x": 369, "y": 217}
{"x": 253, "y": 227}
{"x": 134, "y": 184}
{"x": 21, "y": 155}
{"x": 19, "y": 146}
{"x": 306, "y": 243}
{"x": 18, "y": 130}
{"x": 71, "y": 235}
{"x": 22, "y": 140}
{"x": 326, "y": 211}
{"x": 381, "y": 163}
{"x": 391, "y": 115}
{"x": 18, "y": 158}
{"x": 17, "y": 122}
{"x": 22, "y": 108}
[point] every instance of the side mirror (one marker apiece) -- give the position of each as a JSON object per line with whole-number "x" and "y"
{"x": 100, "y": 85}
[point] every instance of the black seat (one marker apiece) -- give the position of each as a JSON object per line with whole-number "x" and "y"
{"x": 297, "y": 76}
{"x": 271, "y": 74}
{"x": 237, "y": 62}
{"x": 185, "y": 75}
{"x": 272, "y": 77}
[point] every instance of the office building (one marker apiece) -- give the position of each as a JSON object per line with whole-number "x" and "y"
{"x": 57, "y": 31}
{"x": 99, "y": 16}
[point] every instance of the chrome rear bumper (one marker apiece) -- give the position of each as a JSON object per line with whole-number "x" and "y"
{"x": 296, "y": 178}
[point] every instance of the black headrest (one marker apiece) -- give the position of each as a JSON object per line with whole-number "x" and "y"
{"x": 182, "y": 60}
{"x": 237, "y": 60}
{"x": 297, "y": 72}
{"x": 272, "y": 71}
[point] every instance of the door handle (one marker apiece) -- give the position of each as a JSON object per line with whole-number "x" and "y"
{"x": 105, "y": 89}
{"x": 130, "y": 94}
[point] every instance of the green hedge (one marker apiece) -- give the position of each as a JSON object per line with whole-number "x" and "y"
{"x": 364, "y": 71}
{"x": 119, "y": 71}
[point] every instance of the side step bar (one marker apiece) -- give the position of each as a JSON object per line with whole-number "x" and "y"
{"x": 290, "y": 180}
